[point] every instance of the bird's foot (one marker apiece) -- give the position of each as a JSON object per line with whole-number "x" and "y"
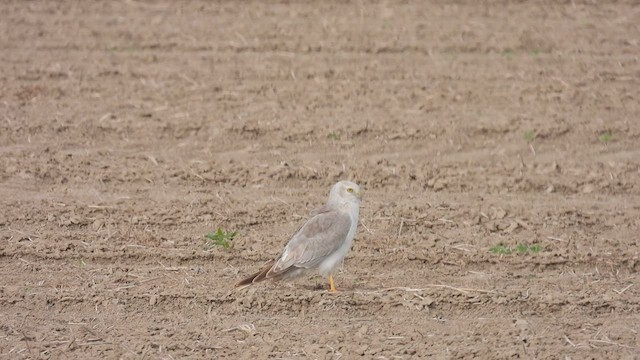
{"x": 332, "y": 285}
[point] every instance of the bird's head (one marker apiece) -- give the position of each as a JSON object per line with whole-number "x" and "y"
{"x": 346, "y": 191}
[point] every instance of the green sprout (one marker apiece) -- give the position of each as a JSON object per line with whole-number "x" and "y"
{"x": 500, "y": 249}
{"x": 221, "y": 238}
{"x": 333, "y": 136}
{"x": 605, "y": 137}
{"x": 520, "y": 249}
{"x": 530, "y": 135}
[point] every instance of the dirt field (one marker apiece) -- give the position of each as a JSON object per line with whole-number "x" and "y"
{"x": 130, "y": 129}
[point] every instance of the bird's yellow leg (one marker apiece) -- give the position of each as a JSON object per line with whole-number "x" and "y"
{"x": 332, "y": 285}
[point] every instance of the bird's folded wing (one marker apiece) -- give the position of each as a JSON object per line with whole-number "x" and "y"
{"x": 319, "y": 237}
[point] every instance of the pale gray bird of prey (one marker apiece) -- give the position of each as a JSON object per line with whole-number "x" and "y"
{"x": 321, "y": 243}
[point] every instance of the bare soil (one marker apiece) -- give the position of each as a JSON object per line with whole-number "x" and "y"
{"x": 130, "y": 129}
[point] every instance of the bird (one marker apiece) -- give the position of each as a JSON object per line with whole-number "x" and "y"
{"x": 321, "y": 243}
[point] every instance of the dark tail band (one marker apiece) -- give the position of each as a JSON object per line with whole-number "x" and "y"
{"x": 257, "y": 277}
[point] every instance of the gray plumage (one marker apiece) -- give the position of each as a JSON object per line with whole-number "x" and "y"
{"x": 321, "y": 243}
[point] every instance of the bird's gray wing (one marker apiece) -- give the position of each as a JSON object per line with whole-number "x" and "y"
{"x": 320, "y": 236}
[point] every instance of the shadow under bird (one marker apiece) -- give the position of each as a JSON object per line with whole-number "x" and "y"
{"x": 321, "y": 243}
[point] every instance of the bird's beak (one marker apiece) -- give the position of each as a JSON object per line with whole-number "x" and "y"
{"x": 359, "y": 195}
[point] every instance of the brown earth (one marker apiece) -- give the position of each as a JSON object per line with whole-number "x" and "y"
{"x": 130, "y": 129}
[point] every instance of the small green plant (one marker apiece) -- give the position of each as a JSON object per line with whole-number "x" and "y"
{"x": 333, "y": 136}
{"x": 605, "y": 137}
{"x": 530, "y": 135}
{"x": 507, "y": 53}
{"x": 221, "y": 238}
{"x": 536, "y": 52}
{"x": 520, "y": 249}
{"x": 500, "y": 249}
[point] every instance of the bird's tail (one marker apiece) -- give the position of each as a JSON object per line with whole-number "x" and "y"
{"x": 257, "y": 277}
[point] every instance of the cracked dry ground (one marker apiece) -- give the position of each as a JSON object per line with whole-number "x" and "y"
{"x": 130, "y": 129}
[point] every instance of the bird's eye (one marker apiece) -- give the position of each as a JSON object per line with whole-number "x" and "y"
{"x": 350, "y": 190}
